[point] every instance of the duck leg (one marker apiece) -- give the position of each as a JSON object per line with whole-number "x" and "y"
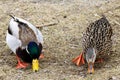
{"x": 20, "y": 64}
{"x": 79, "y": 60}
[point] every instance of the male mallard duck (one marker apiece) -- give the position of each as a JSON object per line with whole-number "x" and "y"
{"x": 96, "y": 41}
{"x": 25, "y": 40}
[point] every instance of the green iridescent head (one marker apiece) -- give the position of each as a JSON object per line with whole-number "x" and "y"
{"x": 34, "y": 50}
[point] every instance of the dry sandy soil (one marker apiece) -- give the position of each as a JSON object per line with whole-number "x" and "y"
{"x": 62, "y": 23}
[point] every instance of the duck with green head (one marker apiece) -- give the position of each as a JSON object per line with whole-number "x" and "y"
{"x": 97, "y": 43}
{"x": 25, "y": 40}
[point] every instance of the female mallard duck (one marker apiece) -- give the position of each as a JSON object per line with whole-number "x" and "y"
{"x": 25, "y": 40}
{"x": 96, "y": 41}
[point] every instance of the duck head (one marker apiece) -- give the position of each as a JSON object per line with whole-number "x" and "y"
{"x": 90, "y": 58}
{"x": 34, "y": 51}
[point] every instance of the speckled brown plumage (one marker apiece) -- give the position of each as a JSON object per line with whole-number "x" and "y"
{"x": 98, "y": 35}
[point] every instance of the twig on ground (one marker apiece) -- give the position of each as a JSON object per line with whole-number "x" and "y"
{"x": 50, "y": 24}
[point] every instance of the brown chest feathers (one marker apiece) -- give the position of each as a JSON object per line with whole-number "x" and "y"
{"x": 26, "y": 34}
{"x": 98, "y": 35}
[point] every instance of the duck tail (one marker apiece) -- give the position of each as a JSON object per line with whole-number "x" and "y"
{"x": 103, "y": 16}
{"x": 104, "y": 19}
{"x": 12, "y": 16}
{"x": 15, "y": 19}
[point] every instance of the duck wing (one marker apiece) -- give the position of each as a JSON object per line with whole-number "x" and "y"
{"x": 39, "y": 36}
{"x": 26, "y": 31}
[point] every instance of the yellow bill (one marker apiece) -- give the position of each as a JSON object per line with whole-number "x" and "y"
{"x": 35, "y": 65}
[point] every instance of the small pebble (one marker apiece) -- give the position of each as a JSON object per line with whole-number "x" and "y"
{"x": 64, "y": 16}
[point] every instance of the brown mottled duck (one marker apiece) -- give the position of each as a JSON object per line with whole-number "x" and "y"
{"x": 96, "y": 43}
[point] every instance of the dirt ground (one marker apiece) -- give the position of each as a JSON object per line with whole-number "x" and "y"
{"x": 62, "y": 23}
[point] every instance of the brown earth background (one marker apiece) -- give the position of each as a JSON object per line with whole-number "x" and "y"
{"x": 62, "y": 23}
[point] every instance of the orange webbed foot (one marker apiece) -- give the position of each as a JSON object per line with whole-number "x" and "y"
{"x": 79, "y": 60}
{"x": 21, "y": 64}
{"x": 100, "y": 60}
{"x": 41, "y": 56}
